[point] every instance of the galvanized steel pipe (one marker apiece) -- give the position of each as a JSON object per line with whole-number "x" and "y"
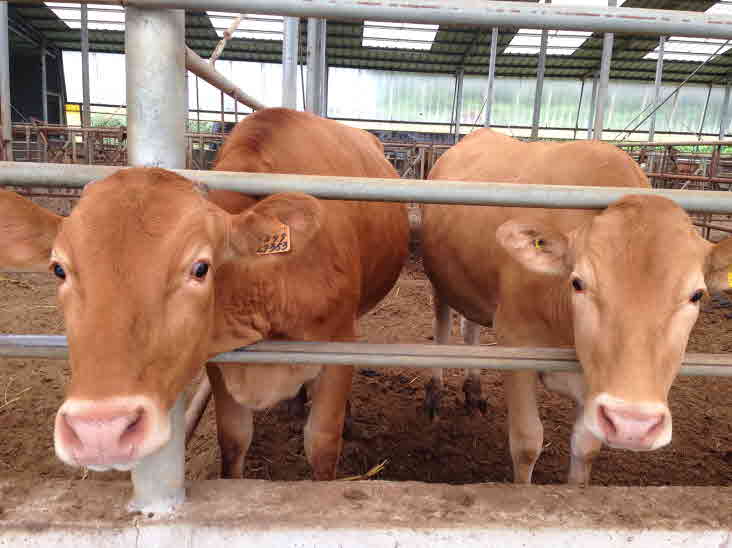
{"x": 205, "y": 71}
{"x": 539, "y": 89}
{"x": 724, "y": 117}
{"x": 157, "y": 110}
{"x": 459, "y": 79}
{"x": 491, "y": 78}
{"x": 657, "y": 87}
{"x": 593, "y": 104}
{"x": 601, "y": 100}
{"x": 157, "y": 105}
{"x": 6, "y": 130}
{"x": 44, "y": 83}
{"x": 379, "y": 190}
{"x": 486, "y": 13}
{"x": 316, "y": 45}
{"x": 85, "y": 87}
{"x": 380, "y": 355}
{"x": 290, "y": 56}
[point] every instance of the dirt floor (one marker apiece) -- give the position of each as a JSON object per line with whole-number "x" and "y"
{"x": 388, "y": 420}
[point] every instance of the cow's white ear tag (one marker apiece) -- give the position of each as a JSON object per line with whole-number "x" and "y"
{"x": 277, "y": 242}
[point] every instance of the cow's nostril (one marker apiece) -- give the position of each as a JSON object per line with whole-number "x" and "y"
{"x": 68, "y": 432}
{"x": 133, "y": 425}
{"x": 606, "y": 421}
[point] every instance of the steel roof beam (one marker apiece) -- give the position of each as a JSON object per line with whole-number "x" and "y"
{"x": 485, "y": 13}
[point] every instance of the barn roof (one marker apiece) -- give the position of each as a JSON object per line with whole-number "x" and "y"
{"x": 451, "y": 48}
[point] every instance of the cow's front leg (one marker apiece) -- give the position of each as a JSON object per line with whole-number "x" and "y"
{"x": 434, "y": 389}
{"x": 474, "y": 400}
{"x": 585, "y": 447}
{"x": 324, "y": 428}
{"x": 525, "y": 431}
{"x": 235, "y": 425}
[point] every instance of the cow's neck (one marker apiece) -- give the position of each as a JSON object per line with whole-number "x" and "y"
{"x": 543, "y": 319}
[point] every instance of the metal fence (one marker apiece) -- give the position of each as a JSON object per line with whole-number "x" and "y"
{"x": 157, "y": 110}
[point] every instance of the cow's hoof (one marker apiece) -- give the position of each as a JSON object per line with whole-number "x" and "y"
{"x": 474, "y": 400}
{"x": 432, "y": 400}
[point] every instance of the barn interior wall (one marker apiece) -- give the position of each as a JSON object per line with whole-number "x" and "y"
{"x": 25, "y": 85}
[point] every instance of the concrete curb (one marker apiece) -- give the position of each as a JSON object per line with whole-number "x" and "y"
{"x": 367, "y": 514}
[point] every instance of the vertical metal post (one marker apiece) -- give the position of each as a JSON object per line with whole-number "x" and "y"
{"x": 198, "y": 109}
{"x": 657, "y": 87}
{"x": 223, "y": 121}
{"x": 6, "y": 150}
{"x": 539, "y": 84}
{"x": 162, "y": 473}
{"x": 236, "y": 112}
{"x": 593, "y": 103}
{"x": 157, "y": 106}
{"x": 86, "y": 100}
{"x": 491, "y": 77}
{"x": 601, "y": 101}
{"x": 323, "y": 62}
{"x": 704, "y": 113}
{"x": 315, "y": 55}
{"x": 290, "y": 54}
{"x": 156, "y": 97}
{"x": 724, "y": 117}
{"x": 459, "y": 77}
{"x": 44, "y": 82}
{"x": 85, "y": 110}
{"x": 579, "y": 108}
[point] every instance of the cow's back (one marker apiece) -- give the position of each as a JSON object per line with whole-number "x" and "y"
{"x": 285, "y": 141}
{"x": 461, "y": 255}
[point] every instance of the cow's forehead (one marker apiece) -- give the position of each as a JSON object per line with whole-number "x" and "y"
{"x": 136, "y": 209}
{"x": 647, "y": 235}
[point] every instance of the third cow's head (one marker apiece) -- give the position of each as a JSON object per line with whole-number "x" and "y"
{"x": 633, "y": 279}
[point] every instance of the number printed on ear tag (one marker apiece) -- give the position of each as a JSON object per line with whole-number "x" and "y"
{"x": 278, "y": 242}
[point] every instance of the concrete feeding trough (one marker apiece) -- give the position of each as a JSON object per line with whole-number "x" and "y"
{"x": 368, "y": 514}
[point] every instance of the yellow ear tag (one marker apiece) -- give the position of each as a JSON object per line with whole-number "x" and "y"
{"x": 729, "y": 278}
{"x": 277, "y": 242}
{"x": 539, "y": 243}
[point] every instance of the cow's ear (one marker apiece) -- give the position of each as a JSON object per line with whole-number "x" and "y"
{"x": 718, "y": 274}
{"x": 27, "y": 233}
{"x": 536, "y": 247}
{"x": 280, "y": 224}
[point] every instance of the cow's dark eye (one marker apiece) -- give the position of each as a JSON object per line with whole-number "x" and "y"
{"x": 199, "y": 270}
{"x": 58, "y": 271}
{"x": 578, "y": 285}
{"x": 697, "y": 296}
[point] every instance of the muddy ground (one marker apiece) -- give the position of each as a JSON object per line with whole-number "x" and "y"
{"x": 388, "y": 420}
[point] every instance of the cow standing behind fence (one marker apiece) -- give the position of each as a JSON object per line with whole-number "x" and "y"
{"x": 623, "y": 286}
{"x": 156, "y": 276}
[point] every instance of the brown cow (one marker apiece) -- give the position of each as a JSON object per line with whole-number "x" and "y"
{"x": 155, "y": 278}
{"x": 622, "y": 286}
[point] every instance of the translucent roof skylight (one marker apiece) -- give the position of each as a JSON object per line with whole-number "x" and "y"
{"x": 379, "y": 34}
{"x": 682, "y": 48}
{"x": 560, "y": 42}
{"x": 258, "y": 27}
{"x": 101, "y": 16}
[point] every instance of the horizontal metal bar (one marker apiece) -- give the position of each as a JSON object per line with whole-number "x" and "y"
{"x": 379, "y": 355}
{"x": 468, "y": 12}
{"x": 379, "y": 190}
